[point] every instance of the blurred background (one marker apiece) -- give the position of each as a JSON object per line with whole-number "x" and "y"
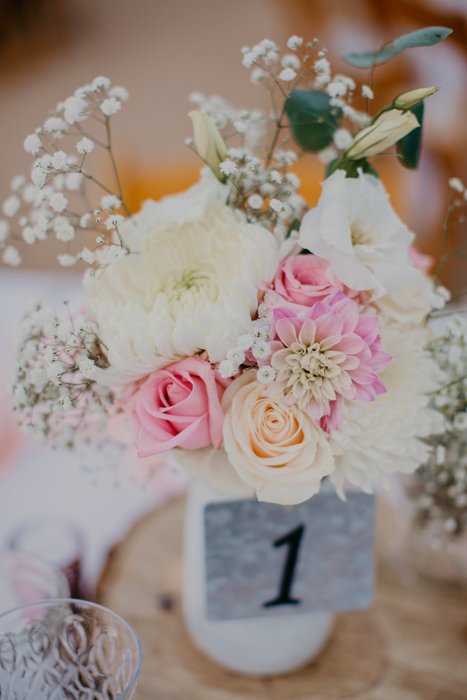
{"x": 161, "y": 50}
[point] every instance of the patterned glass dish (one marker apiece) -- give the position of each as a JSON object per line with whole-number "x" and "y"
{"x": 67, "y": 649}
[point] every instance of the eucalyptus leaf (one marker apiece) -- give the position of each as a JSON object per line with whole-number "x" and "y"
{"x": 313, "y": 118}
{"x": 426, "y": 36}
{"x": 366, "y": 59}
{"x": 409, "y": 148}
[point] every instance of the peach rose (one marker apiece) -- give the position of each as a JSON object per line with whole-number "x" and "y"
{"x": 277, "y": 449}
{"x": 178, "y": 406}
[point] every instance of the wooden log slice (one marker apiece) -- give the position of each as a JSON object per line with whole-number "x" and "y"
{"x": 412, "y": 645}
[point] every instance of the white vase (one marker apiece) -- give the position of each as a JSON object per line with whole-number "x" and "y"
{"x": 260, "y": 646}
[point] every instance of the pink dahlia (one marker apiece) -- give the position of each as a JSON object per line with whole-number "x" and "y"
{"x": 327, "y": 354}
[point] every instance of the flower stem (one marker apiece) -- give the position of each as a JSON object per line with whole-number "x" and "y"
{"x": 114, "y": 167}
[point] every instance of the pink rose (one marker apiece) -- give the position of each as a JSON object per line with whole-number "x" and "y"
{"x": 302, "y": 280}
{"x": 178, "y": 406}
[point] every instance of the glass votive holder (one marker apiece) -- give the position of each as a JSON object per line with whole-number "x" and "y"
{"x": 67, "y": 649}
{"x": 56, "y": 541}
{"x": 25, "y": 578}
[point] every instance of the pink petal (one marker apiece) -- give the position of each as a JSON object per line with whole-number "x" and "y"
{"x": 363, "y": 375}
{"x": 307, "y": 332}
{"x": 285, "y": 329}
{"x": 350, "y": 362}
{"x": 380, "y": 360}
{"x": 351, "y": 344}
{"x": 379, "y": 386}
{"x": 318, "y": 309}
{"x": 365, "y": 393}
{"x": 334, "y": 420}
{"x": 328, "y": 325}
{"x": 367, "y": 328}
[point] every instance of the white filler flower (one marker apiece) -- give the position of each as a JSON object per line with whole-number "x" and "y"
{"x": 386, "y": 436}
{"x": 194, "y": 287}
{"x": 355, "y": 228}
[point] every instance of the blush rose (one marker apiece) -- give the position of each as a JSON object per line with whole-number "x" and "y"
{"x": 177, "y": 406}
{"x": 302, "y": 280}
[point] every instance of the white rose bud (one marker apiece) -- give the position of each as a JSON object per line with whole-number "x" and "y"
{"x": 409, "y": 99}
{"x": 209, "y": 142}
{"x": 387, "y": 128}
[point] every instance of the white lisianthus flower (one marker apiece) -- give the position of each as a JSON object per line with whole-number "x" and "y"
{"x": 387, "y": 436}
{"x": 193, "y": 288}
{"x": 276, "y": 448}
{"x": 208, "y": 141}
{"x": 388, "y": 128}
{"x": 410, "y": 98}
{"x": 410, "y": 304}
{"x": 355, "y": 228}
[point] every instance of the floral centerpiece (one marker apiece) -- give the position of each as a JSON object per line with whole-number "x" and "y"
{"x": 232, "y": 315}
{"x": 274, "y": 345}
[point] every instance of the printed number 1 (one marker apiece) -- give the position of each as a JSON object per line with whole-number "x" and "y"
{"x": 293, "y": 540}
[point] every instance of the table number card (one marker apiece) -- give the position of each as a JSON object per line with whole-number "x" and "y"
{"x": 264, "y": 559}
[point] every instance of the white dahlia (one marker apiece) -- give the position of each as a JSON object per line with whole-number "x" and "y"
{"x": 189, "y": 205}
{"x": 193, "y": 287}
{"x": 386, "y": 436}
{"x": 355, "y": 228}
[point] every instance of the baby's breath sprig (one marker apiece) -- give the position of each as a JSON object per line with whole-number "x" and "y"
{"x": 439, "y": 488}
{"x": 304, "y": 65}
{"x": 56, "y": 395}
{"x": 56, "y": 201}
{"x": 259, "y": 147}
{"x": 267, "y": 195}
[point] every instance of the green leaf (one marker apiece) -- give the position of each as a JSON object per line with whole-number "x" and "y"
{"x": 367, "y": 167}
{"x": 351, "y": 167}
{"x": 409, "y": 148}
{"x": 366, "y": 59}
{"x": 426, "y": 36}
{"x": 333, "y": 166}
{"x": 313, "y": 118}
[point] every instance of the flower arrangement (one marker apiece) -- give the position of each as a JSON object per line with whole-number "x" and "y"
{"x": 232, "y": 316}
